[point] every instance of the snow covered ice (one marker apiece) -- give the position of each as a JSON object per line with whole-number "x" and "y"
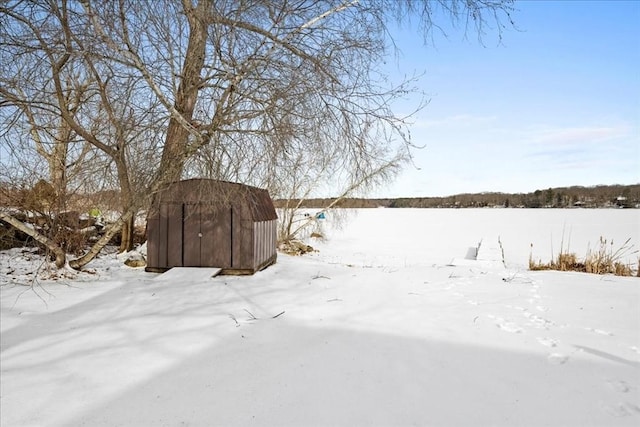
{"x": 387, "y": 324}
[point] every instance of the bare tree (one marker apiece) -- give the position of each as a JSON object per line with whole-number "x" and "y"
{"x": 274, "y": 93}
{"x": 32, "y": 129}
{"x": 94, "y": 100}
{"x": 258, "y": 77}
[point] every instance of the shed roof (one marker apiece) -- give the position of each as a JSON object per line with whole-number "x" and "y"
{"x": 210, "y": 191}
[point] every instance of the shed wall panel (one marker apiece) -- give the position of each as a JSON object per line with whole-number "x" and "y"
{"x": 192, "y": 236}
{"x": 216, "y": 241}
{"x": 259, "y": 243}
{"x": 153, "y": 232}
{"x": 242, "y": 243}
{"x": 264, "y": 241}
{"x": 258, "y": 231}
{"x": 163, "y": 227}
{"x": 173, "y": 238}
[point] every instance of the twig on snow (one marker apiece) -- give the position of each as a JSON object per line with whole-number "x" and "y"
{"x": 234, "y": 319}
{"x": 250, "y": 314}
{"x": 33, "y": 287}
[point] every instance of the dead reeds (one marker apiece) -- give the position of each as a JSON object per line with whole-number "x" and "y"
{"x": 604, "y": 259}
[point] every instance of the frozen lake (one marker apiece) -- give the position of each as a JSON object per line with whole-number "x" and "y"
{"x": 434, "y": 236}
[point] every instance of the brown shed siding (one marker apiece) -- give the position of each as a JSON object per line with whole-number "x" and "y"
{"x": 206, "y": 223}
{"x": 171, "y": 225}
{"x": 264, "y": 246}
{"x": 216, "y": 242}
{"x": 207, "y": 235}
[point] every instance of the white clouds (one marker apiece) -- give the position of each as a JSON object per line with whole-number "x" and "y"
{"x": 581, "y": 135}
{"x": 472, "y": 153}
{"x": 565, "y": 145}
{"x": 582, "y": 155}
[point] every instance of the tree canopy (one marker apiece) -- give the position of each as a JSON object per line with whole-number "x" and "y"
{"x": 129, "y": 95}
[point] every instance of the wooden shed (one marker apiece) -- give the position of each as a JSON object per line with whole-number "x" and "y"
{"x": 209, "y": 223}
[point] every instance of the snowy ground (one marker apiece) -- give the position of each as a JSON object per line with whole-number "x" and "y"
{"x": 388, "y": 324}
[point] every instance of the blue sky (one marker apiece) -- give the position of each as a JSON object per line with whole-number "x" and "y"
{"x": 557, "y": 103}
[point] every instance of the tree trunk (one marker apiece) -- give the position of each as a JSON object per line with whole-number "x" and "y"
{"x": 78, "y": 263}
{"x": 126, "y": 200}
{"x": 58, "y": 164}
{"x": 173, "y": 155}
{"x": 126, "y": 241}
{"x": 48, "y": 243}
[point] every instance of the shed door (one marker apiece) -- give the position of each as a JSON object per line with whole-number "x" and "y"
{"x": 170, "y": 235}
{"x": 207, "y": 236}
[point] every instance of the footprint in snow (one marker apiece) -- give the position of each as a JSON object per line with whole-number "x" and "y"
{"x": 542, "y": 308}
{"x": 599, "y": 331}
{"x": 472, "y": 302}
{"x": 557, "y": 358}
{"x": 634, "y": 348}
{"x": 506, "y": 325}
{"x": 622, "y": 409}
{"x": 619, "y": 386}
{"x": 539, "y": 322}
{"x": 547, "y": 342}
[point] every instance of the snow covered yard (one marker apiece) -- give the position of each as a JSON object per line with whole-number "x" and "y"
{"x": 386, "y": 325}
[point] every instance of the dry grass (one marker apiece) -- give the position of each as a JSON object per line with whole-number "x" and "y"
{"x": 605, "y": 259}
{"x": 294, "y": 247}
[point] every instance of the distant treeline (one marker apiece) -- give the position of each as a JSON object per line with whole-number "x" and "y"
{"x": 601, "y": 196}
